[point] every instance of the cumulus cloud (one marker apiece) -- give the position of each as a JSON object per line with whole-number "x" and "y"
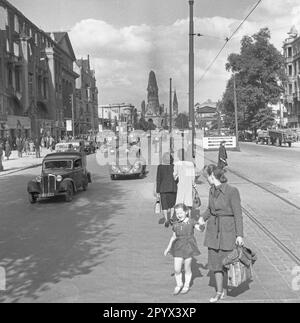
{"x": 124, "y": 56}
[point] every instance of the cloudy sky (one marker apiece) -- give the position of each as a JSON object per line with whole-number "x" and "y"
{"x": 128, "y": 38}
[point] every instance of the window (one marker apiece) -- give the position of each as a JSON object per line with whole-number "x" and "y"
{"x": 45, "y": 88}
{"x": 10, "y": 77}
{"x": 17, "y": 25}
{"x": 289, "y": 52}
{"x": 18, "y": 78}
{"x": 77, "y": 163}
{"x": 58, "y": 164}
{"x": 290, "y": 70}
{"x": 16, "y": 49}
{"x": 3, "y": 18}
{"x": 290, "y": 88}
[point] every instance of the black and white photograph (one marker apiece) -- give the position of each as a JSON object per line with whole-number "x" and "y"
{"x": 150, "y": 154}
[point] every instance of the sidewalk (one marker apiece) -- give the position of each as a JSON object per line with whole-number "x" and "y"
{"x": 15, "y": 164}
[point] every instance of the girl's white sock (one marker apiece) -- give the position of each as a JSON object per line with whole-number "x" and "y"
{"x": 187, "y": 281}
{"x": 178, "y": 278}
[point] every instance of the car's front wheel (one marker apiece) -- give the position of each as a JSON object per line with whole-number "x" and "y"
{"x": 32, "y": 198}
{"x": 84, "y": 186}
{"x": 69, "y": 193}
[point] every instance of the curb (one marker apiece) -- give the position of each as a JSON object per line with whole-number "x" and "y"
{"x": 18, "y": 170}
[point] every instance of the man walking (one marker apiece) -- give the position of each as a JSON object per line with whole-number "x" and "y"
{"x": 19, "y": 143}
{"x": 222, "y": 158}
{"x": 37, "y": 148}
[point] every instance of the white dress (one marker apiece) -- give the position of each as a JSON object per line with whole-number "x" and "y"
{"x": 185, "y": 172}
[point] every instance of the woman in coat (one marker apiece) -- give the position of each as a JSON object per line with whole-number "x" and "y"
{"x": 166, "y": 186}
{"x": 184, "y": 172}
{"x": 7, "y": 150}
{"x": 224, "y": 228}
{"x": 222, "y": 157}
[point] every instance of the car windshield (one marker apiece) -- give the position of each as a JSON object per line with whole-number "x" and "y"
{"x": 63, "y": 164}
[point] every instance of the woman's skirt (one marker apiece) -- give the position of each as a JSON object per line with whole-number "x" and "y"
{"x": 168, "y": 200}
{"x": 215, "y": 259}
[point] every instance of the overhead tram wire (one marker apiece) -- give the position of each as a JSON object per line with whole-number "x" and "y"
{"x": 227, "y": 39}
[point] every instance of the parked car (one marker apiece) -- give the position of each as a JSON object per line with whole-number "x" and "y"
{"x": 89, "y": 147}
{"x": 62, "y": 174}
{"x": 263, "y": 137}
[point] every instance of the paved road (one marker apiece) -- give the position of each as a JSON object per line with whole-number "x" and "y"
{"x": 107, "y": 246}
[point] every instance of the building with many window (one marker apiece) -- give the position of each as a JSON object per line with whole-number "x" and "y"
{"x": 291, "y": 50}
{"x": 36, "y": 77}
{"x": 86, "y": 112}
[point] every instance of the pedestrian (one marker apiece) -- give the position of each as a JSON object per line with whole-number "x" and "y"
{"x": 166, "y": 187}
{"x": 37, "y": 148}
{"x": 222, "y": 157}
{"x": 184, "y": 173}
{"x": 19, "y": 144}
{"x": 224, "y": 224}
{"x": 26, "y": 146}
{"x": 1, "y": 156}
{"x": 183, "y": 247}
{"x": 7, "y": 150}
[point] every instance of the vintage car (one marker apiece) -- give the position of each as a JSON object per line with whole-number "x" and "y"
{"x": 62, "y": 174}
{"x": 89, "y": 147}
{"x": 124, "y": 167}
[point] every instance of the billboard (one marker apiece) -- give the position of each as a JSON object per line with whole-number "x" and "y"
{"x": 69, "y": 125}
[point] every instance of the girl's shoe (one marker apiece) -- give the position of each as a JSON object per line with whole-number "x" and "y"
{"x": 217, "y": 297}
{"x": 177, "y": 290}
{"x": 184, "y": 290}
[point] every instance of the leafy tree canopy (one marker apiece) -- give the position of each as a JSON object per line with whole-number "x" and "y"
{"x": 259, "y": 73}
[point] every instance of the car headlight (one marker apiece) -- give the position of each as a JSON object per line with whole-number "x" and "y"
{"x": 38, "y": 179}
{"x": 59, "y": 178}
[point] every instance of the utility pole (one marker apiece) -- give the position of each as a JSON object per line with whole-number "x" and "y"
{"x": 191, "y": 73}
{"x": 170, "y": 106}
{"x": 236, "y": 114}
{"x": 170, "y": 112}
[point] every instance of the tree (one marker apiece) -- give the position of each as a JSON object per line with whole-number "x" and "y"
{"x": 259, "y": 70}
{"x": 151, "y": 125}
{"x": 182, "y": 121}
{"x": 142, "y": 124}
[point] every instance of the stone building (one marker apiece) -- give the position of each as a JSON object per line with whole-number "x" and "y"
{"x": 86, "y": 98}
{"x": 291, "y": 50}
{"x": 154, "y": 111}
{"x": 36, "y": 77}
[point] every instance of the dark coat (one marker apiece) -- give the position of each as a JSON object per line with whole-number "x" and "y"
{"x": 165, "y": 182}
{"x": 222, "y": 157}
{"x": 7, "y": 149}
{"x": 224, "y": 218}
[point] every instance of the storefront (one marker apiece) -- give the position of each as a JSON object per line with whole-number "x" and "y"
{"x": 17, "y": 126}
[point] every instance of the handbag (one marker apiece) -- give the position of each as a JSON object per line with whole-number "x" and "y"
{"x": 196, "y": 198}
{"x": 238, "y": 274}
{"x": 239, "y": 265}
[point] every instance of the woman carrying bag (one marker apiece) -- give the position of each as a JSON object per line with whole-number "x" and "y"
{"x": 166, "y": 187}
{"x": 224, "y": 229}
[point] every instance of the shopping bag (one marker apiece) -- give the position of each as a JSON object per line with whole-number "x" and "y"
{"x": 238, "y": 274}
{"x": 157, "y": 207}
{"x": 196, "y": 198}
